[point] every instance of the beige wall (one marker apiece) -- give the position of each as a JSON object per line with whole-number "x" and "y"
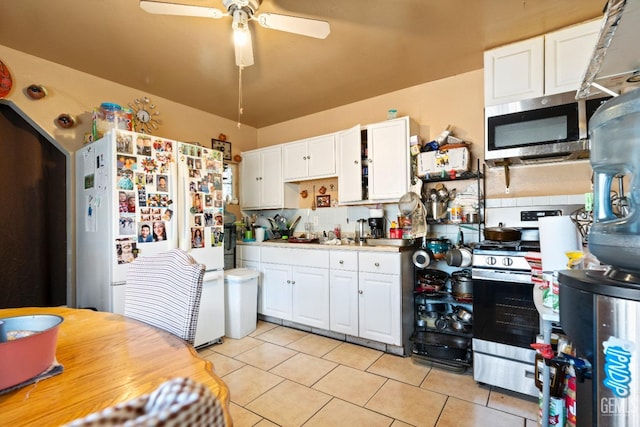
{"x": 457, "y": 101}
{"x": 77, "y": 93}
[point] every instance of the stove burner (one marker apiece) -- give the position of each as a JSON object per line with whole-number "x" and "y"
{"x": 515, "y": 245}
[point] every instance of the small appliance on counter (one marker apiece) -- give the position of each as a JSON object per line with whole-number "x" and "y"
{"x": 377, "y": 223}
{"x": 377, "y": 227}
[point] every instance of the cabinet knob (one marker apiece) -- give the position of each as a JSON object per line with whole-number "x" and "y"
{"x": 377, "y": 264}
{"x": 370, "y": 161}
{"x": 289, "y": 281}
{"x": 293, "y": 282}
{"x": 341, "y": 262}
{"x": 304, "y": 157}
{"x": 360, "y": 292}
{"x": 355, "y": 162}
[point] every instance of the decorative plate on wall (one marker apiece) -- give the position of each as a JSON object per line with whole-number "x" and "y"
{"x": 5, "y": 80}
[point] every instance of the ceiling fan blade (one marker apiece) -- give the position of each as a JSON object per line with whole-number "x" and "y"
{"x": 162, "y": 8}
{"x": 244, "y": 52}
{"x": 294, "y": 24}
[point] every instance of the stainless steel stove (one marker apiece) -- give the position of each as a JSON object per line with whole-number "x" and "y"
{"x": 506, "y": 321}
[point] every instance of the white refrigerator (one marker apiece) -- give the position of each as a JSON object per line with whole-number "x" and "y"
{"x": 138, "y": 195}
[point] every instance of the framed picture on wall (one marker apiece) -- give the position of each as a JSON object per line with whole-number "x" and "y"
{"x": 323, "y": 201}
{"x": 224, "y": 146}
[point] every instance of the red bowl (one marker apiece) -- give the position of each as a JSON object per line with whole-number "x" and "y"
{"x": 28, "y": 357}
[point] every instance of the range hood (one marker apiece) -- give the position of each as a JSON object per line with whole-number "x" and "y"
{"x": 615, "y": 63}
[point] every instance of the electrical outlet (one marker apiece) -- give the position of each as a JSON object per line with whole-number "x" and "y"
{"x": 315, "y": 220}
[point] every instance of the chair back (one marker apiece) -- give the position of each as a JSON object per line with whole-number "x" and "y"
{"x": 164, "y": 290}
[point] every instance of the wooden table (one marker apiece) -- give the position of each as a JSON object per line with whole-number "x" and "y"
{"x": 107, "y": 359}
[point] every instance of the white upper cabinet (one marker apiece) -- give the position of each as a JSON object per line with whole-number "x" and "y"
{"x": 261, "y": 179}
{"x": 543, "y": 65}
{"x": 309, "y": 158}
{"x": 514, "y": 72}
{"x": 388, "y": 146}
{"x": 567, "y": 53}
{"x": 349, "y": 165}
{"x": 373, "y": 162}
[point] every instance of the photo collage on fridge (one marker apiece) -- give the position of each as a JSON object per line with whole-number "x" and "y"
{"x": 146, "y": 206}
{"x": 204, "y": 168}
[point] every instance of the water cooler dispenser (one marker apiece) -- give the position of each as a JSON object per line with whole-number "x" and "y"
{"x": 600, "y": 309}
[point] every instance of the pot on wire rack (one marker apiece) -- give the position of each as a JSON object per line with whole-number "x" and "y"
{"x": 462, "y": 285}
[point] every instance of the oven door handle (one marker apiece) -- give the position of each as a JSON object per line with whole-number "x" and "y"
{"x": 529, "y": 374}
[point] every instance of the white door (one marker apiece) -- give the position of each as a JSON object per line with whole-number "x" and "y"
{"x": 379, "y": 307}
{"x": 349, "y": 165}
{"x": 388, "y": 159}
{"x": 311, "y": 296}
{"x": 514, "y": 72}
{"x": 294, "y": 161}
{"x": 321, "y": 156}
{"x": 276, "y": 290}
{"x": 272, "y": 186}
{"x": 250, "y": 179}
{"x": 343, "y": 302}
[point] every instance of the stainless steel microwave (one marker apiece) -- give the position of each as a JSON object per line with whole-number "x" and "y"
{"x": 547, "y": 129}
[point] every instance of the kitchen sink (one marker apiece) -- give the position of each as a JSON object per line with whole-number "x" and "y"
{"x": 391, "y": 242}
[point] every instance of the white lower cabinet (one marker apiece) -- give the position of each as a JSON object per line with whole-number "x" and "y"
{"x": 363, "y": 294}
{"x": 299, "y": 293}
{"x": 366, "y": 290}
{"x": 343, "y": 292}
{"x": 380, "y": 297}
{"x": 310, "y": 292}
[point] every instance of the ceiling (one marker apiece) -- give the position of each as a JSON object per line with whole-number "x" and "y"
{"x": 375, "y": 47}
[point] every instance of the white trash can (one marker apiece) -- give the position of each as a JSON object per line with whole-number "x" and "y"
{"x": 241, "y": 302}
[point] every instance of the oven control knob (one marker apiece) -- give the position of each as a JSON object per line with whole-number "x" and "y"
{"x": 490, "y": 260}
{"x": 507, "y": 262}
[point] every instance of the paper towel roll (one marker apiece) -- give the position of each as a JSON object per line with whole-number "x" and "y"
{"x": 259, "y": 234}
{"x": 558, "y": 235}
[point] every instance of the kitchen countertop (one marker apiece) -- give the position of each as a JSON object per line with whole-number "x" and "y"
{"x": 323, "y": 246}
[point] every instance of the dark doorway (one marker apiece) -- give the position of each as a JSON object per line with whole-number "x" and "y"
{"x": 33, "y": 211}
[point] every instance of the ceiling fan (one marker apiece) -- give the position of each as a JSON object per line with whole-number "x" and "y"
{"x": 243, "y": 11}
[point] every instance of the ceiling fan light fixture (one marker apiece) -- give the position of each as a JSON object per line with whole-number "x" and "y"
{"x": 240, "y": 27}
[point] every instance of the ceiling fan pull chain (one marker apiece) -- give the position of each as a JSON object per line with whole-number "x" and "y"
{"x": 240, "y": 109}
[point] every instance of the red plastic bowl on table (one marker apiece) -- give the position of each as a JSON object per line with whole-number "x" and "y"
{"x": 27, "y": 357}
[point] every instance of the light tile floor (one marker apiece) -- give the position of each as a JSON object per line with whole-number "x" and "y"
{"x": 279, "y": 376}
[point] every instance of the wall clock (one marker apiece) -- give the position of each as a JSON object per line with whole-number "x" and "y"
{"x": 146, "y": 117}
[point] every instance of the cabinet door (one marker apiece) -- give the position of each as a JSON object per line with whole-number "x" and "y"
{"x": 388, "y": 144}
{"x": 567, "y": 53}
{"x": 379, "y": 307}
{"x": 349, "y": 166}
{"x": 272, "y": 187}
{"x": 250, "y": 179}
{"x": 294, "y": 161}
{"x": 343, "y": 302}
{"x": 514, "y": 72}
{"x": 321, "y": 156}
{"x": 276, "y": 291}
{"x": 310, "y": 287}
